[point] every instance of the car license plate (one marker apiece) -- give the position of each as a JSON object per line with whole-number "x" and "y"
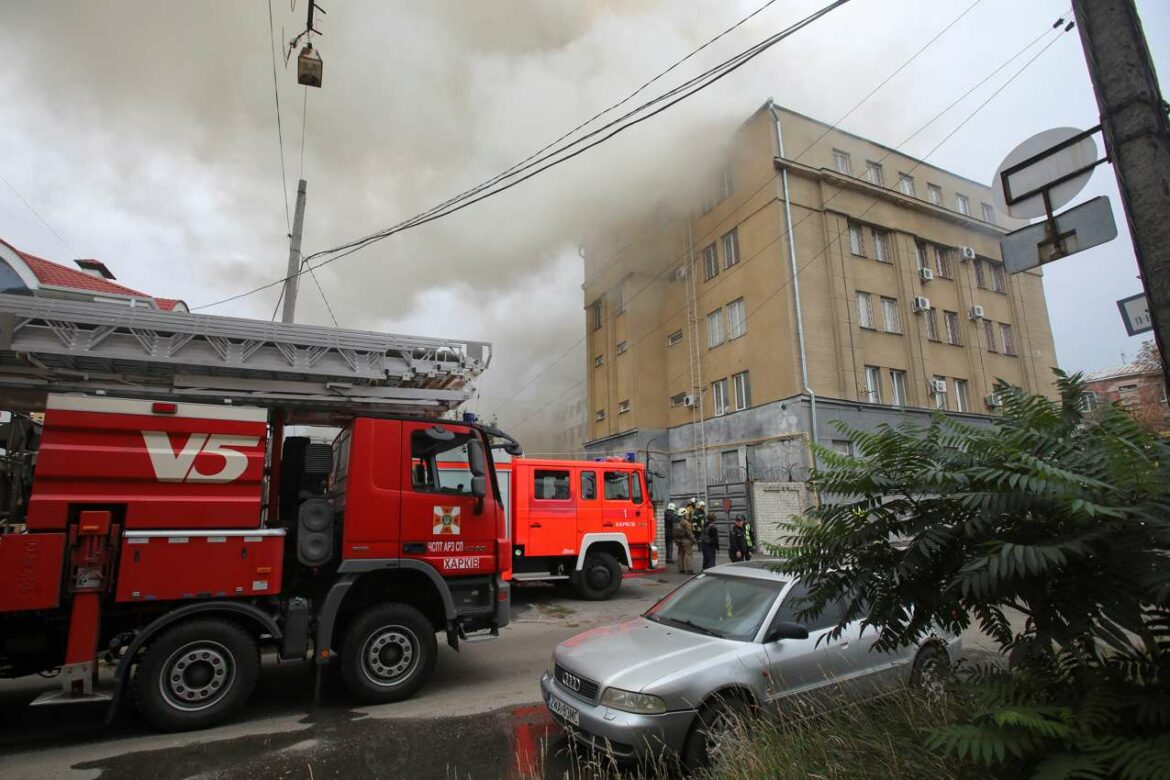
{"x": 571, "y": 714}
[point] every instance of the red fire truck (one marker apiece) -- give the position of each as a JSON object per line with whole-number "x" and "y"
{"x": 577, "y": 521}
{"x": 162, "y": 519}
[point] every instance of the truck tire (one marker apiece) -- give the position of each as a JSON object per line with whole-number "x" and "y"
{"x": 196, "y": 675}
{"x": 388, "y": 653}
{"x": 600, "y": 577}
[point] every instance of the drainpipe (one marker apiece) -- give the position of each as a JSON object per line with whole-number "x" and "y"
{"x": 812, "y": 397}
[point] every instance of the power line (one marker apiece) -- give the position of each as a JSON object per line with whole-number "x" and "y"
{"x": 279, "y": 131}
{"x": 37, "y": 214}
{"x": 672, "y": 97}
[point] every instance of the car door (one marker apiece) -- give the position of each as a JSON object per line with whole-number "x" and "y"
{"x": 804, "y": 666}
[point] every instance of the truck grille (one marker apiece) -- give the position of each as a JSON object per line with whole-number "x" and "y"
{"x": 578, "y": 686}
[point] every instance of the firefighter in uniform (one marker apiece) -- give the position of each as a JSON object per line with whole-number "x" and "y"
{"x": 686, "y": 543}
{"x": 669, "y": 518}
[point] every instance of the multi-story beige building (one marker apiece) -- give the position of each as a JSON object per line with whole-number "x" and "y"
{"x": 708, "y": 352}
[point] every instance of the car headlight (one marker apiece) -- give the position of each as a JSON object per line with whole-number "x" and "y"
{"x": 629, "y": 701}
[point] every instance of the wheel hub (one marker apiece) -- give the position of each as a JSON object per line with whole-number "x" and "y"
{"x": 389, "y": 655}
{"x": 197, "y": 675}
{"x": 599, "y": 576}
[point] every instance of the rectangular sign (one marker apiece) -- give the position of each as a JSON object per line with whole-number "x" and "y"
{"x": 1080, "y": 228}
{"x": 1135, "y": 313}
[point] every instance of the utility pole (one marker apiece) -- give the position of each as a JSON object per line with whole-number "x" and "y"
{"x": 294, "y": 257}
{"x": 1137, "y": 139}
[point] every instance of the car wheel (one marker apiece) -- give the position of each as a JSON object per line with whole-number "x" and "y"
{"x": 931, "y": 670}
{"x": 388, "y": 653}
{"x": 600, "y": 577}
{"x": 196, "y": 675}
{"x": 716, "y": 726}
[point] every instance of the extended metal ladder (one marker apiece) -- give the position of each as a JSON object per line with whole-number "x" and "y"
{"x": 698, "y": 426}
{"x": 57, "y": 345}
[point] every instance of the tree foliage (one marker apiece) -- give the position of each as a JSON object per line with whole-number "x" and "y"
{"x": 1046, "y": 515}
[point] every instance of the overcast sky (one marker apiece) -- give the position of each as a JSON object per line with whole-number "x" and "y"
{"x": 144, "y": 133}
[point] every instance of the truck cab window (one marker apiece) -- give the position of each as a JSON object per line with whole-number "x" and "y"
{"x": 588, "y": 485}
{"x": 636, "y": 484}
{"x": 426, "y": 453}
{"x": 617, "y": 486}
{"x": 550, "y": 484}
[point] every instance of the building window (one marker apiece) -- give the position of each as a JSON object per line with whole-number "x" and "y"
{"x": 942, "y": 262}
{"x": 940, "y": 396}
{"x": 856, "y": 240}
{"x": 951, "y": 323}
{"x": 865, "y": 310}
{"x": 1127, "y": 395}
{"x": 931, "y": 324}
{"x": 719, "y": 396}
{"x": 741, "y": 390}
{"x": 873, "y": 172}
{"x": 595, "y": 314}
{"x": 623, "y": 407}
{"x": 711, "y": 261}
{"x": 678, "y": 399}
{"x": 842, "y": 162}
{"x": 962, "y": 204}
{"x": 1088, "y": 401}
{"x": 934, "y": 193}
{"x": 715, "y": 328}
{"x": 920, "y": 251}
{"x": 619, "y": 299}
{"x": 873, "y": 384}
{"x": 1007, "y": 337}
{"x": 897, "y": 387}
{"x": 906, "y": 184}
{"x": 726, "y": 182}
{"x": 729, "y": 466}
{"x": 599, "y": 415}
{"x": 881, "y": 246}
{"x": 988, "y": 213}
{"x": 736, "y": 319}
{"x": 962, "y": 403}
{"x": 678, "y": 475}
{"x": 622, "y": 346}
{"x": 674, "y": 338}
{"x": 980, "y": 275}
{"x": 989, "y": 334}
{"x": 890, "y": 315}
{"x": 842, "y": 446}
{"x": 998, "y": 278}
{"x": 731, "y": 248}
{"x": 598, "y": 361}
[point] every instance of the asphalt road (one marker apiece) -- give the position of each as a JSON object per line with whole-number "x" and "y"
{"x": 479, "y": 717}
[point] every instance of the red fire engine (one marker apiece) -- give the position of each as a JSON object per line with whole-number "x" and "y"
{"x": 160, "y": 519}
{"x": 577, "y": 521}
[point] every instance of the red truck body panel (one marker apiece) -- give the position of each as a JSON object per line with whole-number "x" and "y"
{"x": 167, "y": 566}
{"x": 30, "y": 571}
{"x": 188, "y": 466}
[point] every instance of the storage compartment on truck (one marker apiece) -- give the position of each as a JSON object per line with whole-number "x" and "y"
{"x": 169, "y": 565}
{"x": 30, "y": 571}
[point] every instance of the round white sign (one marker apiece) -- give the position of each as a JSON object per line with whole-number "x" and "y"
{"x": 1042, "y": 172}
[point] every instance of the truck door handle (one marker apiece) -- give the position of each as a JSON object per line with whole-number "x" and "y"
{"x": 607, "y": 525}
{"x": 638, "y": 513}
{"x": 535, "y": 525}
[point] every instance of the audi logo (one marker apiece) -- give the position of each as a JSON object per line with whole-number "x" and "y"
{"x": 571, "y": 681}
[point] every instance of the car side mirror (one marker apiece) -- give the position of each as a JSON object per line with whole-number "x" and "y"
{"x": 786, "y": 630}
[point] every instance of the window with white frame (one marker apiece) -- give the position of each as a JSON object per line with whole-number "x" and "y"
{"x": 906, "y": 184}
{"x": 893, "y": 321}
{"x": 921, "y": 254}
{"x": 741, "y": 391}
{"x": 619, "y": 299}
{"x": 719, "y": 396}
{"x": 988, "y": 213}
{"x": 951, "y": 323}
{"x": 715, "y": 328}
{"x": 1007, "y": 338}
{"x": 842, "y": 162}
{"x": 873, "y": 384}
{"x": 856, "y": 240}
{"x": 962, "y": 402}
{"x": 622, "y": 346}
{"x": 623, "y": 407}
{"x": 674, "y": 338}
{"x": 1088, "y": 401}
{"x": 962, "y": 204}
{"x": 934, "y": 193}
{"x": 942, "y": 262}
{"x": 726, "y": 182}
{"x": 599, "y": 415}
{"x": 841, "y": 446}
{"x": 998, "y": 278}
{"x": 865, "y": 310}
{"x": 736, "y": 319}
{"x": 939, "y": 396}
{"x": 897, "y": 387}
{"x": 882, "y": 249}
{"x": 731, "y": 248}
{"x": 595, "y": 317}
{"x": 873, "y": 172}
{"x": 711, "y": 261}
{"x": 598, "y": 361}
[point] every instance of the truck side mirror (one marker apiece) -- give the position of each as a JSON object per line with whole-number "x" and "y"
{"x": 476, "y": 462}
{"x": 479, "y": 486}
{"x": 786, "y": 630}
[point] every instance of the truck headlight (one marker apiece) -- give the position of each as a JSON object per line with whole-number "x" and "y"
{"x": 629, "y": 701}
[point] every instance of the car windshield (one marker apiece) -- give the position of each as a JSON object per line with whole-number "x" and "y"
{"x": 719, "y": 605}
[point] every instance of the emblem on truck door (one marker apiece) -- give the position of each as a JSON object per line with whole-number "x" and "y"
{"x": 170, "y": 466}
{"x": 446, "y": 521}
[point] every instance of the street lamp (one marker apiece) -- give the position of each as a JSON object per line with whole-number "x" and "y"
{"x": 309, "y": 67}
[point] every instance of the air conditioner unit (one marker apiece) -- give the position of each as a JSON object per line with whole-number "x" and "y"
{"x": 966, "y": 253}
{"x": 688, "y": 400}
{"x": 926, "y": 275}
{"x": 938, "y": 385}
{"x": 977, "y": 312}
{"x": 921, "y": 304}
{"x": 994, "y": 400}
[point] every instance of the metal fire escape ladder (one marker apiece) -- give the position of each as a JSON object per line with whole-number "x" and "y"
{"x": 57, "y": 345}
{"x": 695, "y": 355}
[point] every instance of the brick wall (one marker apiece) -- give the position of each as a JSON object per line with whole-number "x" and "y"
{"x": 773, "y": 503}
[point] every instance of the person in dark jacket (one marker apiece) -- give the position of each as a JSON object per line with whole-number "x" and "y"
{"x": 709, "y": 543}
{"x": 669, "y": 519}
{"x": 737, "y": 543}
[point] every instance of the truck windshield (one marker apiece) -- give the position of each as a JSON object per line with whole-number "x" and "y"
{"x": 719, "y": 605}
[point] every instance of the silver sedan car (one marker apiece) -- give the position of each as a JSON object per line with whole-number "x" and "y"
{"x": 720, "y": 645}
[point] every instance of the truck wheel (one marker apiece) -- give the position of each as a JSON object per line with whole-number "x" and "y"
{"x": 600, "y": 577}
{"x": 388, "y": 653}
{"x": 196, "y": 675}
